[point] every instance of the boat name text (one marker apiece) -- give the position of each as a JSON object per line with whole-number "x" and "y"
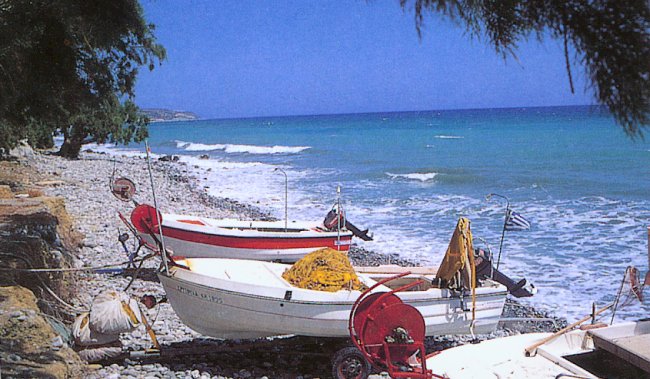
{"x": 201, "y": 295}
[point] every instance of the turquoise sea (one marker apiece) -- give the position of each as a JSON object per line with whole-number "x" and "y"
{"x": 583, "y": 184}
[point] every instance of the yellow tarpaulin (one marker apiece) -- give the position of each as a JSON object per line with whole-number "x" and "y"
{"x": 459, "y": 252}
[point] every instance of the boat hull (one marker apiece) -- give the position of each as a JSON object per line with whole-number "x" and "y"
{"x": 193, "y": 237}
{"x": 213, "y": 309}
{"x": 574, "y": 354}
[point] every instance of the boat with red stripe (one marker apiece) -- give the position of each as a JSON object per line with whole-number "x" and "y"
{"x": 201, "y": 237}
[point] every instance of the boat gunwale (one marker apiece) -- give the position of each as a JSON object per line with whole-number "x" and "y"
{"x": 307, "y": 234}
{"x": 428, "y": 299}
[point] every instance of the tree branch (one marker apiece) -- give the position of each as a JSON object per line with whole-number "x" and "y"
{"x": 566, "y": 58}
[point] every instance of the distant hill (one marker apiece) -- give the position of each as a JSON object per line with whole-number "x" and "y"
{"x": 158, "y": 115}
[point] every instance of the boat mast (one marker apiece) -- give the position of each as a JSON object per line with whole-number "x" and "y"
{"x": 505, "y": 221}
{"x": 338, "y": 218}
{"x": 286, "y": 197}
{"x": 163, "y": 253}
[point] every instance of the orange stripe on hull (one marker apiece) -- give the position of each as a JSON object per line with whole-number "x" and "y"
{"x": 193, "y": 222}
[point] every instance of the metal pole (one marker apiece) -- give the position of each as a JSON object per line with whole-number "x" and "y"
{"x": 286, "y": 197}
{"x": 163, "y": 253}
{"x": 490, "y": 255}
{"x": 646, "y": 282}
{"x": 618, "y": 296}
{"x": 338, "y": 218}
{"x": 505, "y": 220}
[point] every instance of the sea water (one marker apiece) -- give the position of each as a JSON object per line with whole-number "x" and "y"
{"x": 571, "y": 171}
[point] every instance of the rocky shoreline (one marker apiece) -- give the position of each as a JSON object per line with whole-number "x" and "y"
{"x": 84, "y": 184}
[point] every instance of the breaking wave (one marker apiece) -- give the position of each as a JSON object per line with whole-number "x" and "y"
{"x": 190, "y": 146}
{"x": 420, "y": 176}
{"x": 249, "y": 149}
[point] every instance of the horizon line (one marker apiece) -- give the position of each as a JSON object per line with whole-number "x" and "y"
{"x": 368, "y": 113}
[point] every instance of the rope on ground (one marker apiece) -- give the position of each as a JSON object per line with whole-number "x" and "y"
{"x": 72, "y": 269}
{"x": 44, "y": 286}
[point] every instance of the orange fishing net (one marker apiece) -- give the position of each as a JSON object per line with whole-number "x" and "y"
{"x": 324, "y": 270}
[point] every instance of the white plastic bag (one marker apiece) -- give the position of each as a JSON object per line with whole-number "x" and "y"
{"x": 114, "y": 312}
{"x": 99, "y": 353}
{"x": 83, "y": 336}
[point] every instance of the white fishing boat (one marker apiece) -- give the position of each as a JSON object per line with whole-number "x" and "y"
{"x": 227, "y": 298}
{"x": 201, "y": 237}
{"x": 617, "y": 351}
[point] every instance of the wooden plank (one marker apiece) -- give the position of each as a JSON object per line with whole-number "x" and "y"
{"x": 633, "y": 349}
{"x": 395, "y": 269}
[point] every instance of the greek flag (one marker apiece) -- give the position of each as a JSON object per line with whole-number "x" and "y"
{"x": 515, "y": 221}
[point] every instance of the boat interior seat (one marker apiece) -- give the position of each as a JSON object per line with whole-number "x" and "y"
{"x": 238, "y": 271}
{"x": 369, "y": 282}
{"x": 257, "y": 272}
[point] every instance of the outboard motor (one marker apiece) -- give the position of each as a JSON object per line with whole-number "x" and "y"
{"x": 334, "y": 218}
{"x": 485, "y": 269}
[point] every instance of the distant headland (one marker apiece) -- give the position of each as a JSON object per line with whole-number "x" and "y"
{"x": 161, "y": 115}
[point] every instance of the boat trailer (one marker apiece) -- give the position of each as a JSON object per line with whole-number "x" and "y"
{"x": 387, "y": 334}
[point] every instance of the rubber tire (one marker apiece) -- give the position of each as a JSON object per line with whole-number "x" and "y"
{"x": 350, "y": 363}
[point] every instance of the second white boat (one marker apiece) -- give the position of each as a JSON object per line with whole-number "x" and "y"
{"x": 227, "y": 298}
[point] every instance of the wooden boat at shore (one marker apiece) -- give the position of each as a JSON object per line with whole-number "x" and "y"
{"x": 200, "y": 237}
{"x": 228, "y": 298}
{"x": 617, "y": 351}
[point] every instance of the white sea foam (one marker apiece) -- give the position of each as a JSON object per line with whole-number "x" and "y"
{"x": 191, "y": 146}
{"x": 111, "y": 149}
{"x": 569, "y": 253}
{"x": 233, "y": 148}
{"x": 257, "y": 183}
{"x": 265, "y": 149}
{"x": 448, "y": 137}
{"x": 420, "y": 176}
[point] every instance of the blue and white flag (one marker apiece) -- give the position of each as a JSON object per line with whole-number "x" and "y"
{"x": 515, "y": 221}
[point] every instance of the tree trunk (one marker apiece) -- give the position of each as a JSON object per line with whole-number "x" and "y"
{"x": 72, "y": 142}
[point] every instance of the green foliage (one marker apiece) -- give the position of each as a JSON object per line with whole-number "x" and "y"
{"x": 610, "y": 37}
{"x": 71, "y": 65}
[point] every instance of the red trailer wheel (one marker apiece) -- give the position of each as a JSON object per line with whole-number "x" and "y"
{"x": 350, "y": 363}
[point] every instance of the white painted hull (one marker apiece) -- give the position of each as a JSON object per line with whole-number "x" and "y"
{"x": 505, "y": 357}
{"x": 197, "y": 237}
{"x": 186, "y": 249}
{"x": 231, "y": 299}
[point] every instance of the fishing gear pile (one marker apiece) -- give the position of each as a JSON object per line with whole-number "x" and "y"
{"x": 324, "y": 270}
{"x": 97, "y": 333}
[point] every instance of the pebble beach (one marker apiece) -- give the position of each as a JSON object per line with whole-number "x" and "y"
{"x": 84, "y": 184}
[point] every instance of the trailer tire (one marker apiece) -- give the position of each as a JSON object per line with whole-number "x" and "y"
{"x": 350, "y": 363}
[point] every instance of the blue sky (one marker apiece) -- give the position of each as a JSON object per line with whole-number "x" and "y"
{"x": 260, "y": 58}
